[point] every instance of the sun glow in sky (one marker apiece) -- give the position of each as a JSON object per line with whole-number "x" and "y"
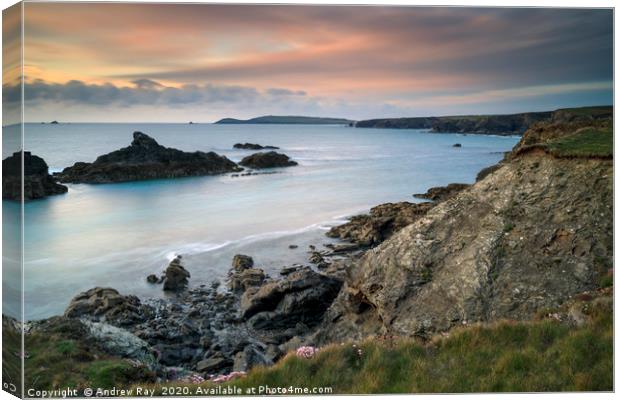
{"x": 181, "y": 62}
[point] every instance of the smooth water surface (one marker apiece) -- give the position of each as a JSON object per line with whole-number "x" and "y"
{"x": 116, "y": 234}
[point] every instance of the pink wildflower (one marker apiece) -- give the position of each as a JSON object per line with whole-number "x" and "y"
{"x": 306, "y": 351}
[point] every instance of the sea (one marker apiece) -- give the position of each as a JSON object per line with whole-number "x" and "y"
{"x": 114, "y": 235}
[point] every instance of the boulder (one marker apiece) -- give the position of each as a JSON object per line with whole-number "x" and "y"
{"x": 146, "y": 159}
{"x": 253, "y": 146}
{"x": 241, "y": 262}
{"x": 269, "y": 159}
{"x": 37, "y": 182}
{"x": 176, "y": 277}
{"x": 457, "y": 145}
{"x": 241, "y": 281}
{"x": 301, "y": 297}
{"x": 106, "y": 304}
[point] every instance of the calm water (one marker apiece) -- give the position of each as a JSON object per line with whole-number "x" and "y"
{"x": 116, "y": 234}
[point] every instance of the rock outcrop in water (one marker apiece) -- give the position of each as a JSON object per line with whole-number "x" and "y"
{"x": 253, "y": 146}
{"x": 37, "y": 183}
{"x": 269, "y": 159}
{"x": 146, "y": 159}
{"x": 176, "y": 276}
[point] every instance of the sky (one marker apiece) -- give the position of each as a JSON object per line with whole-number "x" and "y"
{"x": 189, "y": 62}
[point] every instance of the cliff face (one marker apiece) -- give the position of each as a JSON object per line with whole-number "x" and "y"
{"x": 509, "y": 124}
{"x": 530, "y": 235}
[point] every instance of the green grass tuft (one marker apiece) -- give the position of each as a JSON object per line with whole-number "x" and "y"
{"x": 589, "y": 142}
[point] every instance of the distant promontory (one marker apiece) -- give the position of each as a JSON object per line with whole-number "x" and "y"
{"x": 275, "y": 119}
{"x": 505, "y": 124}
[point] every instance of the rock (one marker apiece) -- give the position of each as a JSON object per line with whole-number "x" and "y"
{"x": 290, "y": 269}
{"x": 153, "y": 279}
{"x": 292, "y": 246}
{"x": 241, "y": 262}
{"x": 250, "y": 357}
{"x": 253, "y": 146}
{"x": 241, "y": 281}
{"x": 176, "y": 277}
{"x": 120, "y": 342}
{"x": 301, "y": 297}
{"x": 267, "y": 160}
{"x": 146, "y": 159}
{"x": 457, "y": 145}
{"x": 37, "y": 182}
{"x": 213, "y": 365}
{"x": 442, "y": 193}
{"x": 381, "y": 223}
{"x": 106, "y": 304}
{"x": 54, "y": 122}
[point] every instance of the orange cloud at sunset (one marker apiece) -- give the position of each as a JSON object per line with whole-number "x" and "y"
{"x": 356, "y": 62}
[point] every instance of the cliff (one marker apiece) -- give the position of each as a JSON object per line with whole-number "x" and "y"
{"x": 528, "y": 236}
{"x": 509, "y": 124}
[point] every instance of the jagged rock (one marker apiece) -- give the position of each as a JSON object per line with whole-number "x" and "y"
{"x": 269, "y": 159}
{"x": 146, "y": 159}
{"x": 106, "y": 304}
{"x": 176, "y": 277}
{"x": 153, "y": 279}
{"x": 241, "y": 281}
{"x": 253, "y": 146}
{"x": 37, "y": 182}
{"x": 301, "y": 297}
{"x": 441, "y": 193}
{"x": 381, "y": 223}
{"x": 241, "y": 262}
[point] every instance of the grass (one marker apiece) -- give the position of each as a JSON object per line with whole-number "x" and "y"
{"x": 538, "y": 356}
{"x": 62, "y": 358}
{"x": 589, "y": 142}
{"x": 507, "y": 356}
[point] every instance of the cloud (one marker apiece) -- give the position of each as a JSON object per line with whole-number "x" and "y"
{"x": 143, "y": 92}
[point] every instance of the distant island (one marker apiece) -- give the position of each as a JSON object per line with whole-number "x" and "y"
{"x": 287, "y": 119}
{"x": 506, "y": 124}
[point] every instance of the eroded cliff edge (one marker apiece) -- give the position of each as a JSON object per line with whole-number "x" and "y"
{"x": 528, "y": 236}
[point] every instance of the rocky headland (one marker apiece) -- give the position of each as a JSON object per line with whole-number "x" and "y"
{"x": 37, "y": 182}
{"x": 146, "y": 159}
{"x": 509, "y": 124}
{"x": 533, "y": 233}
